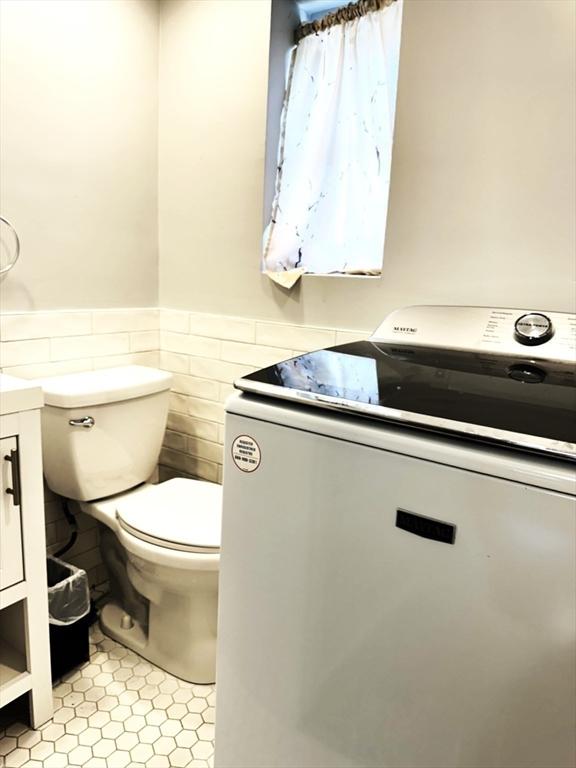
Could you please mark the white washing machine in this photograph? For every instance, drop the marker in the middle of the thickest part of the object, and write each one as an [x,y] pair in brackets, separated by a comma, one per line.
[398,562]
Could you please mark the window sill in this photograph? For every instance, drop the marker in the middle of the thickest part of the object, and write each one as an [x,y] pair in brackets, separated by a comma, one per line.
[340,274]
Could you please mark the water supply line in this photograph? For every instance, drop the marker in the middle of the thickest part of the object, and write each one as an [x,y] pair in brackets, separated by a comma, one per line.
[73,523]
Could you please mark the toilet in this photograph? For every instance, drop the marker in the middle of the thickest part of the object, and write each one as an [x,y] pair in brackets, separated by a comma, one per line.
[101,437]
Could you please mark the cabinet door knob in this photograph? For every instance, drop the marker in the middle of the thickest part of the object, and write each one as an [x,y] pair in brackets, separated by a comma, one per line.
[14,459]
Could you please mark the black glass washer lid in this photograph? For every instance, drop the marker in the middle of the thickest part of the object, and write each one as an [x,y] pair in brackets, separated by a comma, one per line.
[529,404]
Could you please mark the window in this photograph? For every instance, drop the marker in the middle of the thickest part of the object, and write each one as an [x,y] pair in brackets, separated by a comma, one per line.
[333,143]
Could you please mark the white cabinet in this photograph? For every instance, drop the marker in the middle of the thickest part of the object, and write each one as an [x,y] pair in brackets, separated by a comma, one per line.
[24,631]
[11,560]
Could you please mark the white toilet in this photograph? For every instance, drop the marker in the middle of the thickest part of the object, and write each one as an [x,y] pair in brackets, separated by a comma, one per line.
[101,437]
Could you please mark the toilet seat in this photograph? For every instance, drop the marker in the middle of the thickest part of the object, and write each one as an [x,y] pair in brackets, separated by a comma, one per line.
[179,514]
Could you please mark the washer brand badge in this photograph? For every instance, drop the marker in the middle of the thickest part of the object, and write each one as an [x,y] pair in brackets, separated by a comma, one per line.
[404,329]
[246,453]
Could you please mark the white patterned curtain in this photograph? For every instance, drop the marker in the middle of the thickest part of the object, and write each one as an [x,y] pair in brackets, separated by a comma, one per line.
[333,176]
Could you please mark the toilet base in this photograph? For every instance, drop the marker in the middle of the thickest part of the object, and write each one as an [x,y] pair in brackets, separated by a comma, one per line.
[135,638]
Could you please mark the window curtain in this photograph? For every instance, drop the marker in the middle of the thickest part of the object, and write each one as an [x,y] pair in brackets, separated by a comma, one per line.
[333,173]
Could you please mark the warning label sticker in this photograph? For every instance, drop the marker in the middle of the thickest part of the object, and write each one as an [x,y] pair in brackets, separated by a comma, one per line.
[246,453]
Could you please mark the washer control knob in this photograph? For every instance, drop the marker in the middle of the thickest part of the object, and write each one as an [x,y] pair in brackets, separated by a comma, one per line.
[533,328]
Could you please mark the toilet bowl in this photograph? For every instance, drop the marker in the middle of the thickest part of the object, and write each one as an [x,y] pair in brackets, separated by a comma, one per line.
[102,433]
[171,534]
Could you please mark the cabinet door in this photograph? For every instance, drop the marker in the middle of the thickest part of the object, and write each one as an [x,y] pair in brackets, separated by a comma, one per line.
[11,562]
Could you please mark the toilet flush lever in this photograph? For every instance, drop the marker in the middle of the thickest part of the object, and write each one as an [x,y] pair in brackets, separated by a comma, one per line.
[86,421]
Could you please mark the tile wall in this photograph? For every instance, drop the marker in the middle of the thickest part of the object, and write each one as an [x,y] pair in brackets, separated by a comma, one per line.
[37,344]
[205,354]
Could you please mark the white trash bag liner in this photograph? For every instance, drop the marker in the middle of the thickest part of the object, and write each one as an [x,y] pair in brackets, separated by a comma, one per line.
[68,592]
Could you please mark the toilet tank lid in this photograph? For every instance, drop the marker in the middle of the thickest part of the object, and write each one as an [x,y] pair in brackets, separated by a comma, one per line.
[107,385]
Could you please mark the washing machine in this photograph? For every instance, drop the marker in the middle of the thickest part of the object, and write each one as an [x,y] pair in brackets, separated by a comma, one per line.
[398,561]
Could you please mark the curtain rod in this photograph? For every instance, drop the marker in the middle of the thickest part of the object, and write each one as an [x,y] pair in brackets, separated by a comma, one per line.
[340,16]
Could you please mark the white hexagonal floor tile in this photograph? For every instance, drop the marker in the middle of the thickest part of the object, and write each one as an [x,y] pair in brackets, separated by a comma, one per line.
[126,698]
[156,717]
[158,761]
[112,730]
[66,743]
[80,755]
[155,677]
[168,685]
[65,688]
[63,715]
[122,674]
[17,758]
[162,701]
[52,732]
[183,695]
[149,734]
[98,719]
[28,739]
[206,732]
[111,666]
[164,745]
[202,750]
[73,699]
[76,725]
[89,737]
[134,723]
[7,745]
[104,748]
[116,688]
[197,705]
[170,728]
[180,757]
[95,693]
[56,760]
[117,711]
[149,691]
[186,738]
[119,759]
[177,711]
[86,709]
[209,715]
[141,753]
[143,668]
[192,721]
[42,750]
[127,741]
[120,713]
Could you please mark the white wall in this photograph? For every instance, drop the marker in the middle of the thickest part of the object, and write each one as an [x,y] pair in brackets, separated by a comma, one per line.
[483,188]
[78,128]
[213,77]
[482,196]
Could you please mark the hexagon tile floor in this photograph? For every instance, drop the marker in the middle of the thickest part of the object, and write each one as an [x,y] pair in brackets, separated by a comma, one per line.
[117,710]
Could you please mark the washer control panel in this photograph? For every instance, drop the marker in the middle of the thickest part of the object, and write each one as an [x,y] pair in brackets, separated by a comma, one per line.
[529,334]
[533,328]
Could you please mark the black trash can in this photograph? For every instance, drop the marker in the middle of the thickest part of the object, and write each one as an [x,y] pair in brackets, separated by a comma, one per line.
[70,616]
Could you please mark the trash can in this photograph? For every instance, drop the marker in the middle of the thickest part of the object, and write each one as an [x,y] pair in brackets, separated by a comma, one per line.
[70,616]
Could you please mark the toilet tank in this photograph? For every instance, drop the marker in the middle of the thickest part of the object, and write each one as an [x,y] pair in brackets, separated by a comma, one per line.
[102,430]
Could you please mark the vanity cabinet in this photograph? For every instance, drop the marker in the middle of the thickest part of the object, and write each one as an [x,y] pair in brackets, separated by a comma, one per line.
[24,631]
